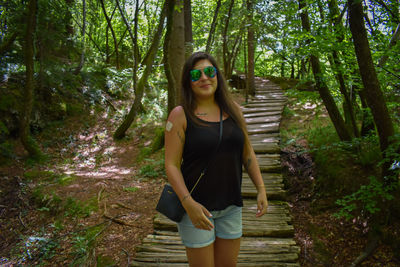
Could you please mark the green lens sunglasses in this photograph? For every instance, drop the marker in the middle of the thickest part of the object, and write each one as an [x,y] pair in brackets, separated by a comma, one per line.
[209,71]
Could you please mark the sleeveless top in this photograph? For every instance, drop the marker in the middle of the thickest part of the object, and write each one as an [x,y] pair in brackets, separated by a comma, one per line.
[220,186]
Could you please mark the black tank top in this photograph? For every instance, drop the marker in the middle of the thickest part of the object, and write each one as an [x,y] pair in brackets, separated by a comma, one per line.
[220,187]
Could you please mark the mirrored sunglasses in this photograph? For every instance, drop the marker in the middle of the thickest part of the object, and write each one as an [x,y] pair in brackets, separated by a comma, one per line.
[209,71]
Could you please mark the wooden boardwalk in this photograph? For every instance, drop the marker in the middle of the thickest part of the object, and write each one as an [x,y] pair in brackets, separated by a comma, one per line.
[267,241]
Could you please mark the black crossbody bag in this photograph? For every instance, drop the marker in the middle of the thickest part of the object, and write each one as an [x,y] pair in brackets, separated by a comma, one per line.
[169,203]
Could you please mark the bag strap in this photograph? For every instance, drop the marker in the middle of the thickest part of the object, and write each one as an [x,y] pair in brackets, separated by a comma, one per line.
[216,149]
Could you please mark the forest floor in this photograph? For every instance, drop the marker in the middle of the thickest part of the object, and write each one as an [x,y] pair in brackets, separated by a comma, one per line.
[43,222]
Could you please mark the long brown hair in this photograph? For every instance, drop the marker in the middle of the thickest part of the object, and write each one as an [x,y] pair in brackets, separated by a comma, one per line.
[222,95]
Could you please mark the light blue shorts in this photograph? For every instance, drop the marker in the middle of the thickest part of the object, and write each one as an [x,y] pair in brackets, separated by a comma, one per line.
[227,225]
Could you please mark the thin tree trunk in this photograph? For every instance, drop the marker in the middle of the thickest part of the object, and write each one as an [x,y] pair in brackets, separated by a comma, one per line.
[339,30]
[188,28]
[26,139]
[176,47]
[82,60]
[212,28]
[148,66]
[167,69]
[250,49]
[374,95]
[393,42]
[225,50]
[112,32]
[323,89]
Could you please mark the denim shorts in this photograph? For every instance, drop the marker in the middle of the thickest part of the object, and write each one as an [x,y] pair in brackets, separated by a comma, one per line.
[227,225]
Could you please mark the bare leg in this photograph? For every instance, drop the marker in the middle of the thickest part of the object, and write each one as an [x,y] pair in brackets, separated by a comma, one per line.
[201,257]
[226,252]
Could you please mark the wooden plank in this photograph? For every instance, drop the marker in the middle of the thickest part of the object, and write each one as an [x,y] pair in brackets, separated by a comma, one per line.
[262,114]
[263,128]
[261,109]
[264,119]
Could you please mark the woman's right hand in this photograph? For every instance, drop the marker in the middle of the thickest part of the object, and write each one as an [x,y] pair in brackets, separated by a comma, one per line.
[198,214]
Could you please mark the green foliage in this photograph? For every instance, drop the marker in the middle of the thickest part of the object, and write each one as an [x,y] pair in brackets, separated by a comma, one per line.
[84,246]
[48,176]
[366,201]
[131,189]
[153,170]
[55,205]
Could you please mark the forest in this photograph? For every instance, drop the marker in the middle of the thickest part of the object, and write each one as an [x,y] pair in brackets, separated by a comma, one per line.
[86,87]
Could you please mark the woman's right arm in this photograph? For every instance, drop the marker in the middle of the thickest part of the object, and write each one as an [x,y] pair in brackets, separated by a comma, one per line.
[174,142]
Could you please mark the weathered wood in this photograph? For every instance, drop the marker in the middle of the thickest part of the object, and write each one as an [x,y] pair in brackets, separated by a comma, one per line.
[261,109]
[264,119]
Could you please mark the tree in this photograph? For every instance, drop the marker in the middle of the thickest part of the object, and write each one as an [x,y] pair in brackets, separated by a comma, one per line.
[212,27]
[112,32]
[174,51]
[374,95]
[188,28]
[148,66]
[82,61]
[26,139]
[323,89]
[251,88]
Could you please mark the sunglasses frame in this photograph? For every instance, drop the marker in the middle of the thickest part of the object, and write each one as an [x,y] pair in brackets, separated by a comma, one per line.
[201,72]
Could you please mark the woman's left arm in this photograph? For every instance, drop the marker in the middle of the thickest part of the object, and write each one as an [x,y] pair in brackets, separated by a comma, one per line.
[251,165]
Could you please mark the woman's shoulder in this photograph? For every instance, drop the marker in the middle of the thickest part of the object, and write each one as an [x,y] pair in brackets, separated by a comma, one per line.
[177,116]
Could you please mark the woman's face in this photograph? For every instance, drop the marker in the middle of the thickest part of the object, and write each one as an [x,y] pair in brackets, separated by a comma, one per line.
[205,87]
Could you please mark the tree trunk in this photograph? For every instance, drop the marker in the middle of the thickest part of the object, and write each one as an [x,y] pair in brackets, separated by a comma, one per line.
[323,89]
[393,42]
[112,32]
[225,50]
[176,47]
[26,139]
[133,37]
[212,28]
[188,28]
[250,49]
[373,93]
[168,72]
[82,60]
[334,16]
[148,66]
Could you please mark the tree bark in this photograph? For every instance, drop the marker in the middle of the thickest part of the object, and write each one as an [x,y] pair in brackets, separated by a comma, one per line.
[112,32]
[133,37]
[212,28]
[250,49]
[188,28]
[148,66]
[82,60]
[26,139]
[374,95]
[175,45]
[323,89]
[167,68]
[225,50]
[334,17]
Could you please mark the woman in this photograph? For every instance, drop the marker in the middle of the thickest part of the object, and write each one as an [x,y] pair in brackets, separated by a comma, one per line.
[212,225]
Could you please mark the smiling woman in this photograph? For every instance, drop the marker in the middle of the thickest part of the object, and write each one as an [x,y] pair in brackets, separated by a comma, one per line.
[211,228]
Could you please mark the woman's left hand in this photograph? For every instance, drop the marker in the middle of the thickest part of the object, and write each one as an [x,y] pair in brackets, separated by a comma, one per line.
[262,203]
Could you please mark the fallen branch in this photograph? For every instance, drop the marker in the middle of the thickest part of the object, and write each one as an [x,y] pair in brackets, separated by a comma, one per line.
[127,255]
[20,219]
[371,246]
[124,206]
[116,220]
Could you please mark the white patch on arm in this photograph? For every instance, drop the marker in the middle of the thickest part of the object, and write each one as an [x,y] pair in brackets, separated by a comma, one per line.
[168,126]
